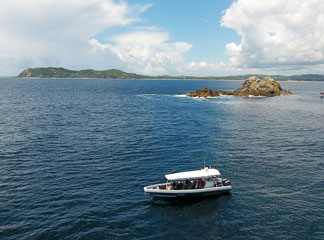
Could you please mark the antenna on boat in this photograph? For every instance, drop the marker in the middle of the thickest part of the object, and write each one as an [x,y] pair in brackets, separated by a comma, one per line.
[204,162]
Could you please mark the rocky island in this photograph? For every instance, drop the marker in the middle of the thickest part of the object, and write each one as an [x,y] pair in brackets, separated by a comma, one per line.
[253,86]
[207,92]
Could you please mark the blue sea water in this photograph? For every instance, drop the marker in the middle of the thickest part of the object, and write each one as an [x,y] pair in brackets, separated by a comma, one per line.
[75,155]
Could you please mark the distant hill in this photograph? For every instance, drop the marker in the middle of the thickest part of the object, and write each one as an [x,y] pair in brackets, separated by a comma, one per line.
[54,72]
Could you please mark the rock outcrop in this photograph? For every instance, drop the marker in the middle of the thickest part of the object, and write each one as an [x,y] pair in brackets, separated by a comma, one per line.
[252,86]
[207,92]
[25,73]
[260,87]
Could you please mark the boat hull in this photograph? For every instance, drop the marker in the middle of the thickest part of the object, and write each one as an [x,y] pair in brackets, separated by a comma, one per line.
[155,192]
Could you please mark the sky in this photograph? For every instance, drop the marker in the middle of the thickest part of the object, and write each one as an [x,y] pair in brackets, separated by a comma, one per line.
[164,37]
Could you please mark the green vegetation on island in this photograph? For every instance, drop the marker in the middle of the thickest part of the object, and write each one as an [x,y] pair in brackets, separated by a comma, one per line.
[58,72]
[53,72]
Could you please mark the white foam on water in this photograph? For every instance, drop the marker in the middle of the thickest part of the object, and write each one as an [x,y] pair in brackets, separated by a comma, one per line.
[212,97]
[226,96]
[256,96]
[181,95]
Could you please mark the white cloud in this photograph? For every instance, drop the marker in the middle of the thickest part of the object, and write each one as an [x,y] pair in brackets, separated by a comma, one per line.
[278,35]
[41,33]
[204,68]
[146,52]
[50,32]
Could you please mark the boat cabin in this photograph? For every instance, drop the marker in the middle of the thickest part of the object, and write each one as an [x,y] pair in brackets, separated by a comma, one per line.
[199,179]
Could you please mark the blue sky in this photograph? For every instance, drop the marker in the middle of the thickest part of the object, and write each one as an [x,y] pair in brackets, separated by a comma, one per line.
[192,21]
[157,37]
[196,22]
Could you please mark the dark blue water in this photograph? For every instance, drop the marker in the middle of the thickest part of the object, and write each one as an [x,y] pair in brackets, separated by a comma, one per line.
[75,155]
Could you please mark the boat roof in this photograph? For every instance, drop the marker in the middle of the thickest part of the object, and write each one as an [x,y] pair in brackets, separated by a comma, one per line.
[206,172]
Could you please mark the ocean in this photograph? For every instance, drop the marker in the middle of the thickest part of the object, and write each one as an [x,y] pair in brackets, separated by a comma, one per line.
[75,155]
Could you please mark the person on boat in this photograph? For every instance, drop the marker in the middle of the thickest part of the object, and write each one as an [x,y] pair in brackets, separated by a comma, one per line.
[198,183]
[195,184]
[189,186]
[202,183]
[215,181]
[184,185]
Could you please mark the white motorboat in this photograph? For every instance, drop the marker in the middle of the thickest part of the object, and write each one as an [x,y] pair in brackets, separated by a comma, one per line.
[206,181]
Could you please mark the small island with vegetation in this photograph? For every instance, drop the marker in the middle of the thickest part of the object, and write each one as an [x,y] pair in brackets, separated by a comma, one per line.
[253,86]
[54,72]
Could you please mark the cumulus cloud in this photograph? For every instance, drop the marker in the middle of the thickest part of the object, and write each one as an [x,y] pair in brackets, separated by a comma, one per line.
[51,32]
[146,52]
[206,68]
[278,35]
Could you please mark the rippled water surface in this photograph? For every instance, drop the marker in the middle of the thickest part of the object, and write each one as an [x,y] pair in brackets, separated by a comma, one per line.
[75,155]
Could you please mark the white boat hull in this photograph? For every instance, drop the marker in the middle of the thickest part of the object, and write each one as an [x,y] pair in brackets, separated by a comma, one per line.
[156,192]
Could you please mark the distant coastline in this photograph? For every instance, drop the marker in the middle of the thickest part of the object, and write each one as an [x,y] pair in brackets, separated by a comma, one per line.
[58,72]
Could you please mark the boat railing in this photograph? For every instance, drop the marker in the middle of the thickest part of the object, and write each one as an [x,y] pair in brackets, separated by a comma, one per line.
[191,184]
